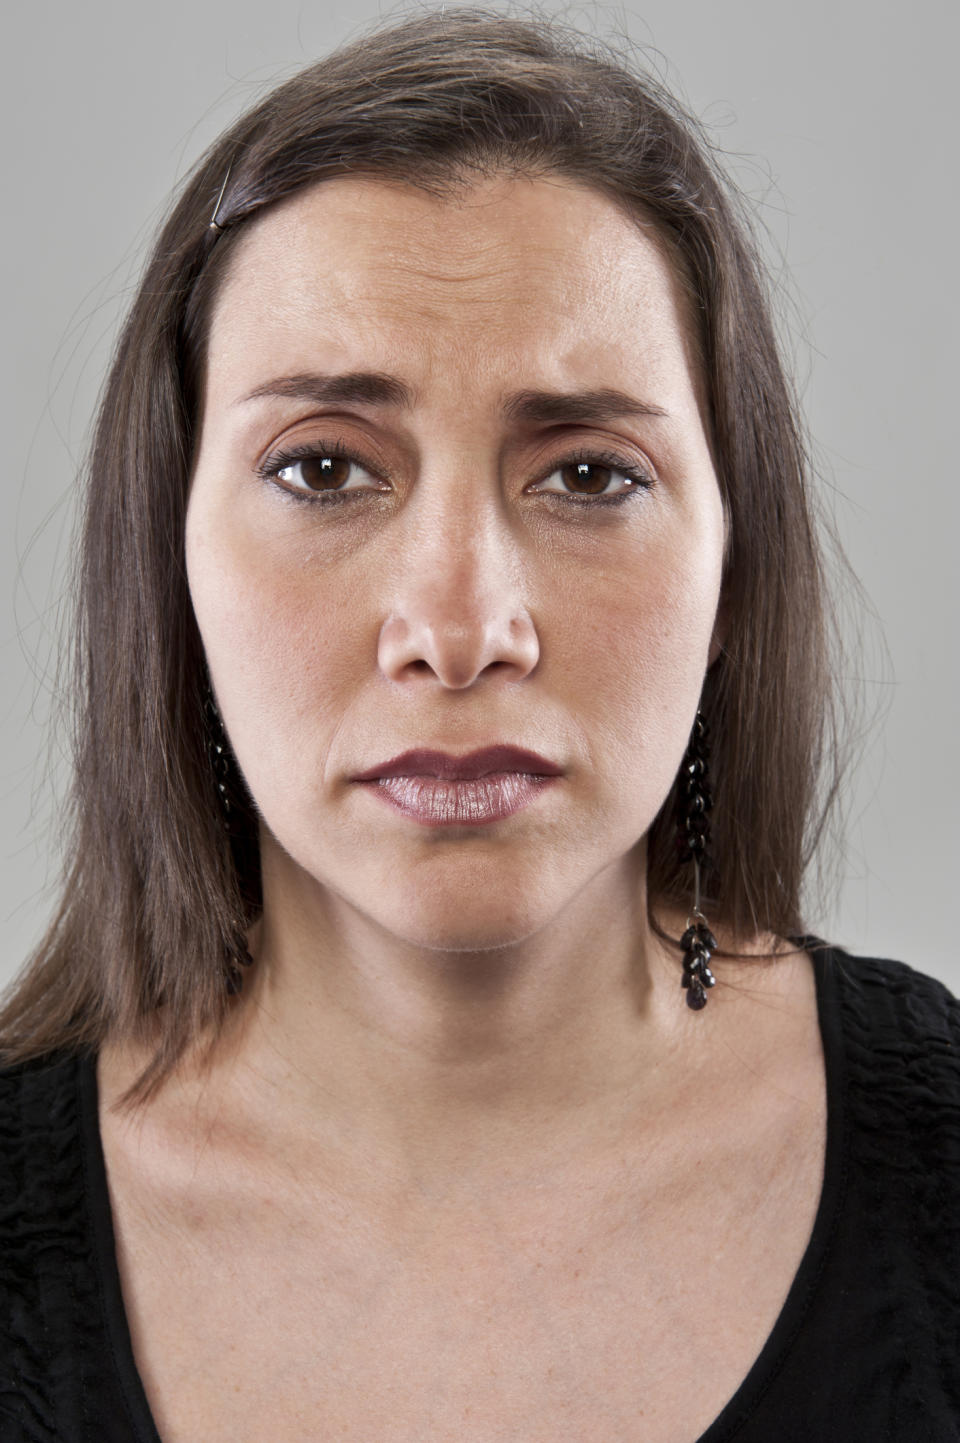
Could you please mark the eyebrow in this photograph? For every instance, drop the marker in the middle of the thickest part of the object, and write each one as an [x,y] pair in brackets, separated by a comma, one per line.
[366,388]
[602,405]
[375,388]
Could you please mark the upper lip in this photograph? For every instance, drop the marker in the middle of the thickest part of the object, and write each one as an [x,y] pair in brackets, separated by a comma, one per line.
[422,762]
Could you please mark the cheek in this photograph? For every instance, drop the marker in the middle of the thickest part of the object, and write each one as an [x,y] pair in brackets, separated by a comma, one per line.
[638,642]
[283,647]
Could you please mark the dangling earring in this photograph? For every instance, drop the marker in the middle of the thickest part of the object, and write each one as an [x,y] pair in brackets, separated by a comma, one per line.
[694,804]
[237,954]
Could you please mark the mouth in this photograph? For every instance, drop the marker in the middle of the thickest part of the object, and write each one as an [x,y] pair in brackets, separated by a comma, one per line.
[496,760]
[460,802]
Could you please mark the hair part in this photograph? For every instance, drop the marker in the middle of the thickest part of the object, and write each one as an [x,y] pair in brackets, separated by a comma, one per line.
[155,890]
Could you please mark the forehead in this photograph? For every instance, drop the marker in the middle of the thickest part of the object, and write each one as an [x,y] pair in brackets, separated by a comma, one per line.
[543,276]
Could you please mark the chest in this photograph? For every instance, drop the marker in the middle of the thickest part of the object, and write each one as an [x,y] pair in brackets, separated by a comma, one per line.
[632,1309]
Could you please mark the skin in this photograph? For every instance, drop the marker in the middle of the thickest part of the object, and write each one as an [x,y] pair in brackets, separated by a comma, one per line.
[455,610]
[467,1033]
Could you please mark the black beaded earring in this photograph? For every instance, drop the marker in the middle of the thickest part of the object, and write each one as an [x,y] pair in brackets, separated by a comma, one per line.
[694,804]
[229,798]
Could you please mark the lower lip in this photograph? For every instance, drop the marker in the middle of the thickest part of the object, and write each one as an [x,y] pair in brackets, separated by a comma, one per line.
[475,803]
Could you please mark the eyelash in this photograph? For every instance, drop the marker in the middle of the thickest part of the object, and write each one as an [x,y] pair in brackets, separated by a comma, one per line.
[272,465]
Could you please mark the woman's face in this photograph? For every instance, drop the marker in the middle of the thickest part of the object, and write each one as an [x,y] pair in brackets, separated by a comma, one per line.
[453,490]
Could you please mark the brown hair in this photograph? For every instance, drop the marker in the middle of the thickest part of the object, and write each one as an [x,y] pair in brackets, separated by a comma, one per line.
[154,890]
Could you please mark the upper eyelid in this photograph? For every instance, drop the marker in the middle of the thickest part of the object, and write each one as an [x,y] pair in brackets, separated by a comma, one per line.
[279,458]
[543,435]
[333,442]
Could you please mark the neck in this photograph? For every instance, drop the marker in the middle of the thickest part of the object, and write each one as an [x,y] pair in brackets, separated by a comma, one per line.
[443,1066]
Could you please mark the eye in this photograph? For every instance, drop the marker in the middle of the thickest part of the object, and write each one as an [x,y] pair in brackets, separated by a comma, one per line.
[319,472]
[325,473]
[592,478]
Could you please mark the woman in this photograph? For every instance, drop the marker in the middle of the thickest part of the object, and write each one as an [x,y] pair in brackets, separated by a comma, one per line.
[455,690]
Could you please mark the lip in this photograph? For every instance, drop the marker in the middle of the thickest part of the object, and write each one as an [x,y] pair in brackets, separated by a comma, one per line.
[464,802]
[422,762]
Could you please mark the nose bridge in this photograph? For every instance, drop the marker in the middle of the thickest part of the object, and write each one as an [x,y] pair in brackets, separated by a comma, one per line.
[459,603]
[463,535]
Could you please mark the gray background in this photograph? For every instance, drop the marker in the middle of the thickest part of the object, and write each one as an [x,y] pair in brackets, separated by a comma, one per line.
[838,122]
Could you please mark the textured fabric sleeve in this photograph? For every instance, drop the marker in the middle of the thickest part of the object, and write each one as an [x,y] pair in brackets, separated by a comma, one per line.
[903,1045]
[57,1377]
[876,1355]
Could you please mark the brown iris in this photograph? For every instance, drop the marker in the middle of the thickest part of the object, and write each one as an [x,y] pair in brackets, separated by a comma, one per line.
[586,476]
[324,473]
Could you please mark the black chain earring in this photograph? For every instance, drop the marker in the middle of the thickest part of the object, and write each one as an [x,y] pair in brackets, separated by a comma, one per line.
[229,796]
[694,804]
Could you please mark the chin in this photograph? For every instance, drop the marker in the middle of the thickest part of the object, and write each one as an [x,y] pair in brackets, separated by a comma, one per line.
[463,924]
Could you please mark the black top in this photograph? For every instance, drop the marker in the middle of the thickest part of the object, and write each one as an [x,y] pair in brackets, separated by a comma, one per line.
[865,1350]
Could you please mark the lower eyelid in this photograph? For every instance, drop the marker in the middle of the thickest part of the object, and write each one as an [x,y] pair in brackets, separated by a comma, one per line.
[570,498]
[567,501]
[270,471]
[638,483]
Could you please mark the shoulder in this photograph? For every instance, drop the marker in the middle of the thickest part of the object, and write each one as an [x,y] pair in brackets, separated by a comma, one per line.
[40,1082]
[60,1326]
[900,1084]
[892,1007]
[42,1169]
[38,1099]
[901,1030]
[897,1039]
[45,1277]
[41,1153]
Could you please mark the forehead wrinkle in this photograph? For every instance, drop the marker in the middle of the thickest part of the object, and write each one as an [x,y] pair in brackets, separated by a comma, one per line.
[398,300]
[586,303]
[478,269]
[460,278]
[506,280]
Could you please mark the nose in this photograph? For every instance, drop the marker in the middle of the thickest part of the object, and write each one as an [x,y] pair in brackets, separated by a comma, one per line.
[458,607]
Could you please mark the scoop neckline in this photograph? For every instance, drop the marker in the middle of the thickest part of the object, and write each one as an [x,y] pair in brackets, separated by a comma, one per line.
[763,1372]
